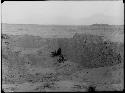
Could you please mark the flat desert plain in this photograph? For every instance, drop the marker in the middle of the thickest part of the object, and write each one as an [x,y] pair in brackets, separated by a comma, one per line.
[94,57]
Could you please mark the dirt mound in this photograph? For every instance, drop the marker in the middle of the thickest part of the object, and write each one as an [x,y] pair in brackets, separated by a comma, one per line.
[86,49]
[91,50]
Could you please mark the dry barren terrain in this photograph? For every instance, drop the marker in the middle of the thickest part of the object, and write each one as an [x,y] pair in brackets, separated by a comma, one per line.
[94,57]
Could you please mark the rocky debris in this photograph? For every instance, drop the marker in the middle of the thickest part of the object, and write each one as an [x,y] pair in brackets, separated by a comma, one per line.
[91,89]
[4,36]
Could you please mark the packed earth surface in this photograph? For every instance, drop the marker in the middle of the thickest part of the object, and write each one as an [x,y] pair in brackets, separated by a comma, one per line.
[94,58]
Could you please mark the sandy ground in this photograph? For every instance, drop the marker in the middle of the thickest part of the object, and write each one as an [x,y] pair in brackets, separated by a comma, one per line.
[79,81]
[67,76]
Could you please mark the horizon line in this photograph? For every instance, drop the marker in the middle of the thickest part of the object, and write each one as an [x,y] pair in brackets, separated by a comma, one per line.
[63,24]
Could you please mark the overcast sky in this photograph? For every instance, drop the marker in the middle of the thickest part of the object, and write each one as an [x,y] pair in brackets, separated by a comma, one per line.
[63,12]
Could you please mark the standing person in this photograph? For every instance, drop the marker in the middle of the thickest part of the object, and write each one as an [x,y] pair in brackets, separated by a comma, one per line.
[56,53]
[59,51]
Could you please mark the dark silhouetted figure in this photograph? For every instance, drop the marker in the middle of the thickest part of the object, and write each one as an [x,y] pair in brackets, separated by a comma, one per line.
[59,54]
[59,51]
[56,53]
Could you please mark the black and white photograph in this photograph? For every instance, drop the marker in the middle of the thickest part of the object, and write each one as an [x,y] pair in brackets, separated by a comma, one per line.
[62,46]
